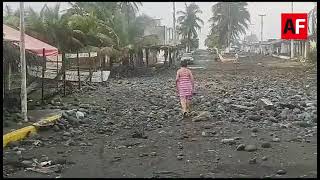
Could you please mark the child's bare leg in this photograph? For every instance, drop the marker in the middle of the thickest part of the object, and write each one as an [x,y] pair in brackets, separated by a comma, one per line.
[183,104]
[188,102]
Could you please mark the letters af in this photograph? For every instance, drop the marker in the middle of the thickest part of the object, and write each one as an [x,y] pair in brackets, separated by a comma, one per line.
[294,26]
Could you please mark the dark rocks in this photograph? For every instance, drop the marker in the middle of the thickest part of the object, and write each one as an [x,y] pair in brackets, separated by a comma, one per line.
[289,105]
[254,129]
[79,115]
[276,139]
[83,144]
[241,108]
[153,154]
[302,124]
[13,144]
[228,141]
[281,172]
[273,119]
[254,117]
[237,138]
[70,142]
[253,161]
[250,148]
[73,120]
[143,154]
[203,116]
[56,128]
[284,113]
[180,156]
[26,163]
[67,134]
[266,103]
[137,134]
[266,145]
[208,126]
[241,147]
[116,158]
[11,158]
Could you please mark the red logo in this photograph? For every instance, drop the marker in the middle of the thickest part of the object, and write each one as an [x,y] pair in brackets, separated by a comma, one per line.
[294,26]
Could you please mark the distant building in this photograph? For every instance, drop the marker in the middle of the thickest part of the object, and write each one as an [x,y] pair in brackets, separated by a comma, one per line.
[164,33]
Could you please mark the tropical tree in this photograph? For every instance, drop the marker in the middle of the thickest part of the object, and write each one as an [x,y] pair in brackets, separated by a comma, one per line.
[189,23]
[51,27]
[229,21]
[98,26]
[10,17]
[129,9]
[313,18]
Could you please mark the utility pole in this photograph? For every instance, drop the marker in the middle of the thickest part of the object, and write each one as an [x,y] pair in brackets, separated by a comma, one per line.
[174,23]
[24,106]
[261,15]
[292,45]
[229,29]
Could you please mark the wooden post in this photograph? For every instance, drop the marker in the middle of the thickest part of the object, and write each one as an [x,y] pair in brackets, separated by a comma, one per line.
[308,48]
[165,56]
[78,64]
[110,62]
[24,106]
[43,72]
[147,56]
[9,76]
[170,57]
[305,49]
[64,73]
[58,71]
[101,67]
[301,48]
[90,73]
[132,60]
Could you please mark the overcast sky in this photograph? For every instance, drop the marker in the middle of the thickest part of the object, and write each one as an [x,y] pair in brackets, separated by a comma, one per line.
[164,10]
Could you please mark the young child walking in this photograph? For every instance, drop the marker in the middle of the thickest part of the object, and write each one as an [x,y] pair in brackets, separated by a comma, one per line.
[185,87]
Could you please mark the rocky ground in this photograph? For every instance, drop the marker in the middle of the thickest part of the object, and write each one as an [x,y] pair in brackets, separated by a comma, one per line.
[254,119]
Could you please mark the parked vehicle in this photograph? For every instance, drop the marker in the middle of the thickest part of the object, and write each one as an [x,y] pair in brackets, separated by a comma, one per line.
[187,57]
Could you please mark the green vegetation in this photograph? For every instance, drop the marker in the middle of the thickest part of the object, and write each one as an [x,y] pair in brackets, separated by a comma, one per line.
[230,19]
[188,25]
[111,27]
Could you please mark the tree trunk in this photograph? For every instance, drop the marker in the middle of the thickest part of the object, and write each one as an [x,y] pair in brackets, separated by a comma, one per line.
[140,56]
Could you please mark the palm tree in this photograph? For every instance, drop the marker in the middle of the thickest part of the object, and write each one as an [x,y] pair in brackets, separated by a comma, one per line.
[11,18]
[129,9]
[189,23]
[230,19]
[102,16]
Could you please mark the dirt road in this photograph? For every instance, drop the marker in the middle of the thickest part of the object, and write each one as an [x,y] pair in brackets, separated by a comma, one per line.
[134,128]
